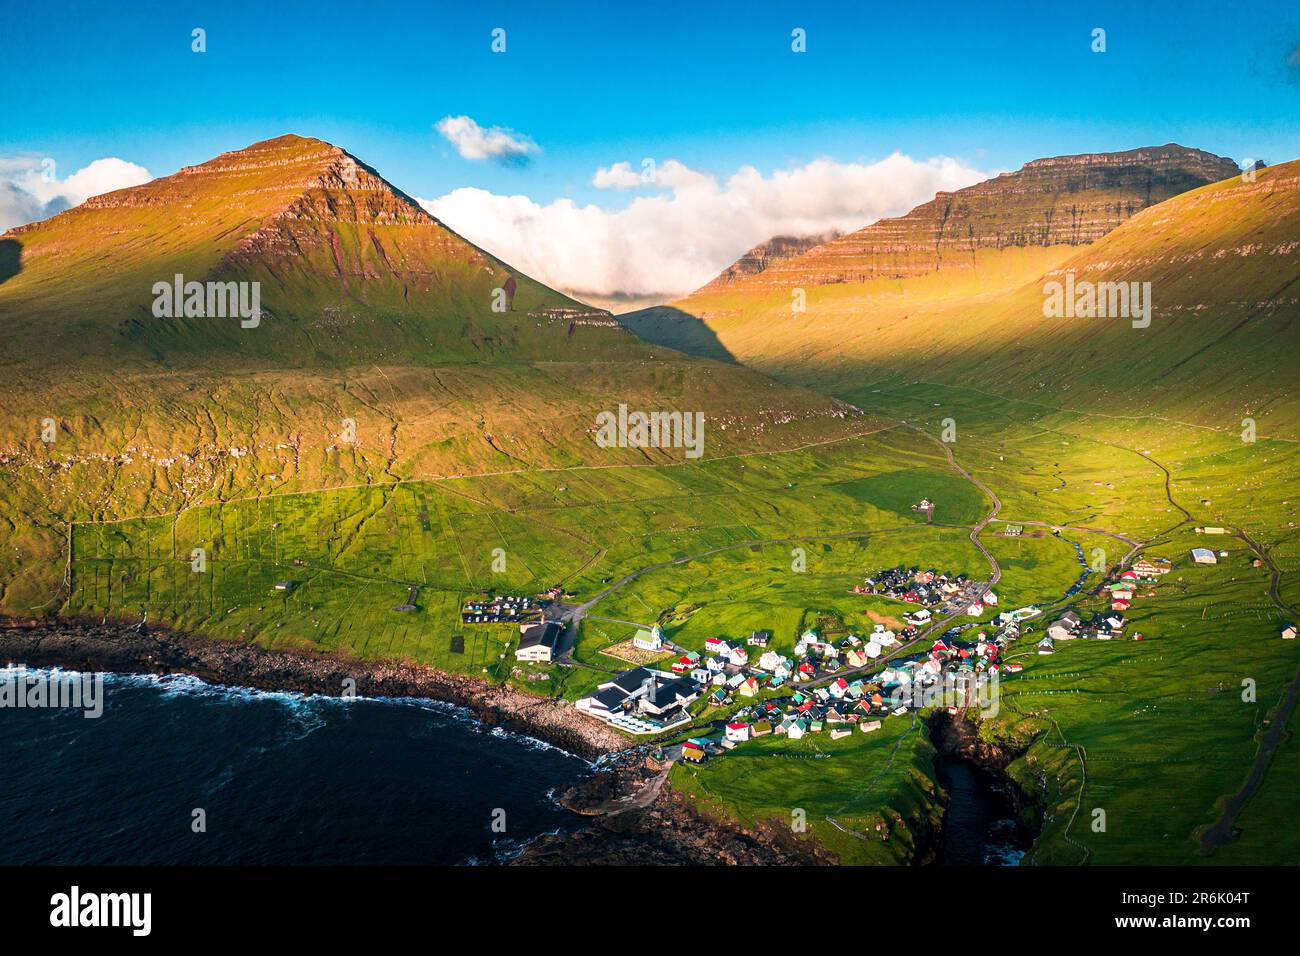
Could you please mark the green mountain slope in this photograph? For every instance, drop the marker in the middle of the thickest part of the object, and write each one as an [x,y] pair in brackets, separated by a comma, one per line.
[1222,261]
[388,348]
[337,250]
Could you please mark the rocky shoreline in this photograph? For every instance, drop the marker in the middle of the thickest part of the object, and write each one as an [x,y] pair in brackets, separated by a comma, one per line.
[630,825]
[79,644]
[635,826]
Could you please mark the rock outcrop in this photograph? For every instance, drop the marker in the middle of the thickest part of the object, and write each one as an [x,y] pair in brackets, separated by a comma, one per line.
[1063,200]
[766,254]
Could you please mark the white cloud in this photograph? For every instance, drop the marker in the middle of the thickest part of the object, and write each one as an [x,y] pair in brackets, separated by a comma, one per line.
[477,142]
[690,225]
[619,176]
[30,188]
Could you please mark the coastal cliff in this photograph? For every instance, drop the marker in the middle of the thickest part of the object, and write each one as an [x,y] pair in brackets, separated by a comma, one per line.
[107,646]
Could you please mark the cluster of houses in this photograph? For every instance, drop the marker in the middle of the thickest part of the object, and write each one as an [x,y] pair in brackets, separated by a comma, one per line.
[504,609]
[840,705]
[929,588]
[734,668]
[1111,623]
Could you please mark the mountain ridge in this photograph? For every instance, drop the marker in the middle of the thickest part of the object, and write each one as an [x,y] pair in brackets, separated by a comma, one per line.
[1042,204]
[760,257]
[1221,259]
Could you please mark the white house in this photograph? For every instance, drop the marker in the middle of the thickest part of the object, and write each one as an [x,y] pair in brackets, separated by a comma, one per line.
[738,731]
[739,656]
[769,661]
[1204,556]
[873,649]
[990,599]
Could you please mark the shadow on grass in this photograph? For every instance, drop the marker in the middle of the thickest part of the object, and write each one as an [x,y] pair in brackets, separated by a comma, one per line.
[11,252]
[677,329]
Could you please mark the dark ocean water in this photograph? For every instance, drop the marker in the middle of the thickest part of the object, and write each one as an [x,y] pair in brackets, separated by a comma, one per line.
[283,779]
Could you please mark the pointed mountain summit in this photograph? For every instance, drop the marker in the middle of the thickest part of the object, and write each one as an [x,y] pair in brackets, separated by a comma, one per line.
[332,245]
[387,349]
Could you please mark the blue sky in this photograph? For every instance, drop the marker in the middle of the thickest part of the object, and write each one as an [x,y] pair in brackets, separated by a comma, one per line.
[712,85]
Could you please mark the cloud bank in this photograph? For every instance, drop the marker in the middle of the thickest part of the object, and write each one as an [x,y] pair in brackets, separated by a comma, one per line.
[685,226]
[476,142]
[30,188]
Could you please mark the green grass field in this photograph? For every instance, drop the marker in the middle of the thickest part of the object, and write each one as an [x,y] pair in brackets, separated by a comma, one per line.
[1153,733]
[877,787]
[351,554]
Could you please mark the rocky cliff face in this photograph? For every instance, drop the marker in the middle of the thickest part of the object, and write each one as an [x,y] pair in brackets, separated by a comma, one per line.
[1064,200]
[766,254]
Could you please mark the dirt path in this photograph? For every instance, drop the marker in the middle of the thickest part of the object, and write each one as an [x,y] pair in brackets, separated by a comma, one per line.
[1222,831]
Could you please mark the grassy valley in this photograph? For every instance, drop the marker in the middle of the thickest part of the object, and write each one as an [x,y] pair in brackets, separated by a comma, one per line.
[386,428]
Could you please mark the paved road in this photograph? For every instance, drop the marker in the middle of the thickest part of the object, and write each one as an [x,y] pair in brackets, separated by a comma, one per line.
[942,624]
[997,502]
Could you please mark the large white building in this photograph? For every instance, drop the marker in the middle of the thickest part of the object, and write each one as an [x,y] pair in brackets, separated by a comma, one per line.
[537,641]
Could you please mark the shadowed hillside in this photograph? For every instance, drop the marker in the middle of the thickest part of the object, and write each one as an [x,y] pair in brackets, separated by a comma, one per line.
[1222,261]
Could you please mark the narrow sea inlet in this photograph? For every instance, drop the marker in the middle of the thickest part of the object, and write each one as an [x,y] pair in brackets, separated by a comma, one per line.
[278,778]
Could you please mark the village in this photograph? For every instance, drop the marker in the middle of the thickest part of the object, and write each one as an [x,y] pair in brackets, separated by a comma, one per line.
[816,689]
[824,684]
[932,590]
[734,690]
